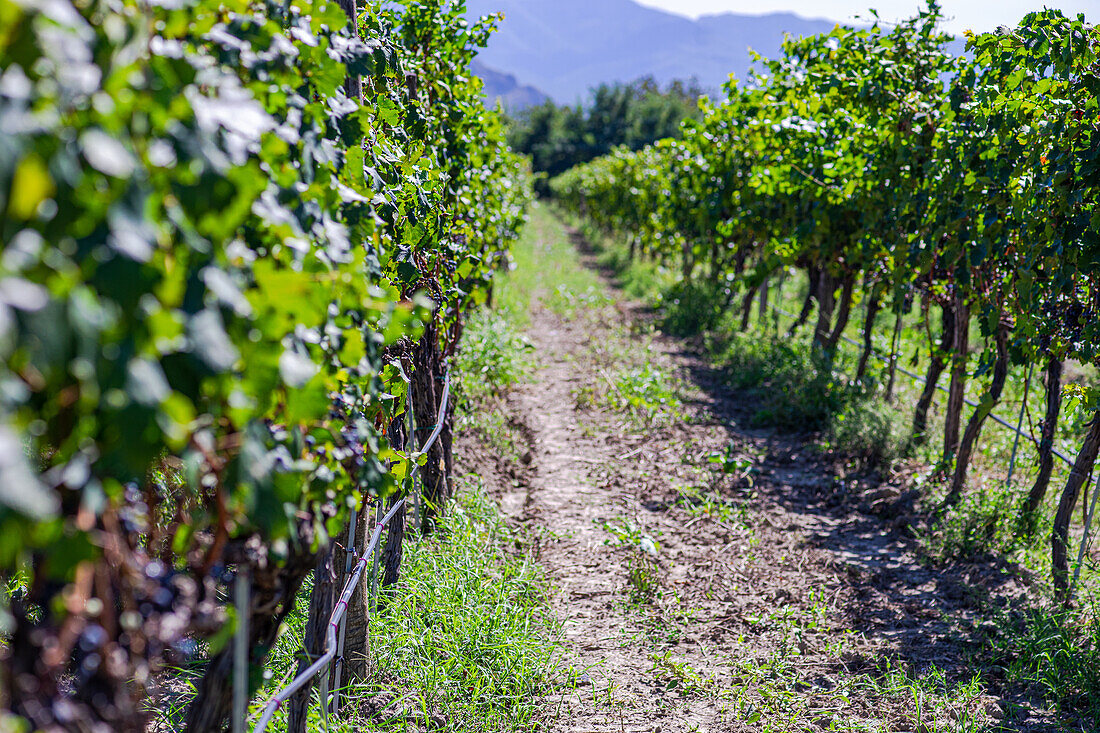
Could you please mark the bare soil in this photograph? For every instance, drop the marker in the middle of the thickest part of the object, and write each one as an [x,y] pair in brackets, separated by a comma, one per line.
[794,598]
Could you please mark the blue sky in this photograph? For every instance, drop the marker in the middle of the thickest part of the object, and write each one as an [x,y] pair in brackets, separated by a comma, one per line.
[978,15]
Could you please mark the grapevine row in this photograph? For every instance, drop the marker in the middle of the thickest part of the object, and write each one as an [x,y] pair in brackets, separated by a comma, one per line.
[229,230]
[894,172]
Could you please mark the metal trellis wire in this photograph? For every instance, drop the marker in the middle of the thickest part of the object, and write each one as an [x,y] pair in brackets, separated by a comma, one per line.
[335,632]
[941,388]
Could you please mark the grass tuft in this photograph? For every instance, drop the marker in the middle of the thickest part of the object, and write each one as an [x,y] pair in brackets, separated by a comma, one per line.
[691,307]
[868,429]
[796,388]
[494,356]
[463,642]
[1056,654]
[467,627]
[647,393]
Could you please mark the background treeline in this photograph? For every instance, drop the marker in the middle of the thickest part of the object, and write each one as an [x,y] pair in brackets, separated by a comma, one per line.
[902,182]
[558,137]
[234,238]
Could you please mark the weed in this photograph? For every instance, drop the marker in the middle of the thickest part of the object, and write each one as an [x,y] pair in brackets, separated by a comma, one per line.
[981,522]
[692,307]
[796,386]
[14,587]
[642,571]
[699,502]
[625,533]
[646,392]
[500,432]
[642,575]
[679,676]
[869,430]
[1056,654]
[730,463]
[468,628]
[794,624]
[936,704]
[493,357]
[585,397]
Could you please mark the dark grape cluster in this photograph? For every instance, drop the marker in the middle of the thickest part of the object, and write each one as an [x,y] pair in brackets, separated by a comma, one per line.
[1066,323]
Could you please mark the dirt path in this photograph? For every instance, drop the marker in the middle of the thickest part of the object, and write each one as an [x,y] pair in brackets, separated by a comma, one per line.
[714,577]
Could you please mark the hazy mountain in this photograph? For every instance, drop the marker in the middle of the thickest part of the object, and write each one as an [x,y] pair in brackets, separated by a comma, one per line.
[504,87]
[564,47]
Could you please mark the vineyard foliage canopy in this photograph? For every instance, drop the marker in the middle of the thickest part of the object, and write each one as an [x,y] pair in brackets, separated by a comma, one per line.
[229,230]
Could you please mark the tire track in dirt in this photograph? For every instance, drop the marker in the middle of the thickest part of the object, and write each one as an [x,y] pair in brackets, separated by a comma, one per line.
[780,612]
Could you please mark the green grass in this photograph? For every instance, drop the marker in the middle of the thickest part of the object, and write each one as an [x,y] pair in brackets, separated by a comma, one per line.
[544,271]
[648,280]
[794,388]
[869,430]
[495,354]
[985,521]
[691,308]
[468,629]
[494,357]
[797,388]
[1056,654]
[645,392]
[464,640]
[938,705]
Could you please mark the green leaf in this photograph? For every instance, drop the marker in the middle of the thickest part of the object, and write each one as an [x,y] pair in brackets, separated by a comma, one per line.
[30,186]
